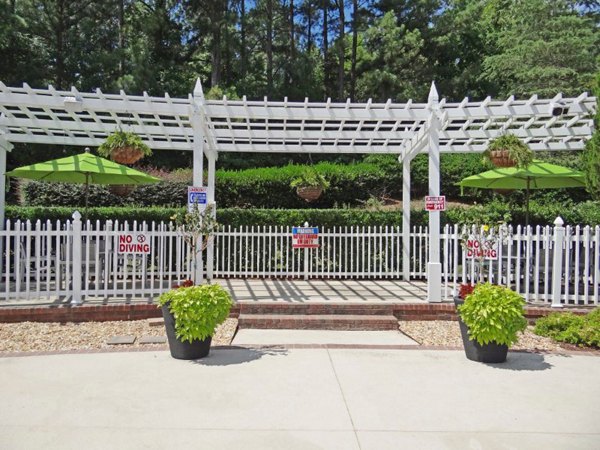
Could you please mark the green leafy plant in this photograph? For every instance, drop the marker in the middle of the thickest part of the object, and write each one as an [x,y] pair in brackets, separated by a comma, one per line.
[310,178]
[122,139]
[493,314]
[582,330]
[517,151]
[198,310]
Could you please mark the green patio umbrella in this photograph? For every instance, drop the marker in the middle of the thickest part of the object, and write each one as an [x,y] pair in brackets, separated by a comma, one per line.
[538,175]
[83,169]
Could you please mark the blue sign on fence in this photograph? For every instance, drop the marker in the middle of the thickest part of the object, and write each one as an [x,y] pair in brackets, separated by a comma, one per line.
[197,197]
[305,237]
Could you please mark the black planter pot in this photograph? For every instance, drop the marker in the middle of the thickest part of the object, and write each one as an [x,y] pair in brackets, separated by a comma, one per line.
[183,350]
[488,353]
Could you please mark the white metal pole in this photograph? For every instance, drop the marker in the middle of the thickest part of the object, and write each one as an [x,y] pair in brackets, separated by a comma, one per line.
[557,262]
[434,266]
[4,147]
[406,217]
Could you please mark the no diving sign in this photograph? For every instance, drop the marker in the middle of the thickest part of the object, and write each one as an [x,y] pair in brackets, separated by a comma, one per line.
[133,244]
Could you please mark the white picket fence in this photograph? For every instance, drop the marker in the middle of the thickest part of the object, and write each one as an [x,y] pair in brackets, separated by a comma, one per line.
[51,260]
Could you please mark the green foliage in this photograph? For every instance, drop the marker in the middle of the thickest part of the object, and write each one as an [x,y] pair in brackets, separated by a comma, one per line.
[120,139]
[198,310]
[517,150]
[571,328]
[581,214]
[539,47]
[493,314]
[591,155]
[310,178]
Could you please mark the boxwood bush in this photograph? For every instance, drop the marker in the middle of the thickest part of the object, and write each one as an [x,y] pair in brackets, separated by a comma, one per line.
[573,329]
[582,214]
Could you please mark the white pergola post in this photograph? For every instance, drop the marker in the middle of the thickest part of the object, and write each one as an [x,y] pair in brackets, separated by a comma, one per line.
[5,146]
[434,266]
[406,217]
[198,168]
[210,250]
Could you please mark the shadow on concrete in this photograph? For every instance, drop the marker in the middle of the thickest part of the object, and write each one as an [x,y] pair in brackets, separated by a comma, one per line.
[228,356]
[523,361]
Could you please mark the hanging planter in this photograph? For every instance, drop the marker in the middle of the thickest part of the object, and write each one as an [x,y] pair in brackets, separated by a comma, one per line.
[508,151]
[309,185]
[124,148]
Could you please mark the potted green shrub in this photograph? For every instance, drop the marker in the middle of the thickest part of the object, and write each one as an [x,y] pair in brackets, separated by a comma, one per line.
[490,319]
[192,313]
[124,147]
[508,151]
[309,185]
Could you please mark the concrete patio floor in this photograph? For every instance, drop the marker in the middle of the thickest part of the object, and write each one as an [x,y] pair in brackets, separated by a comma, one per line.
[279,290]
[257,398]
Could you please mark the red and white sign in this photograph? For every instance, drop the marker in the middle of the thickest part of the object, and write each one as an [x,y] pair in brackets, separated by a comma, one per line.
[305,237]
[433,203]
[133,244]
[486,249]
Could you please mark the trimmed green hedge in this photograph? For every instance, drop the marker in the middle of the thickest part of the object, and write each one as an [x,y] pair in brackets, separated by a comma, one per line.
[583,214]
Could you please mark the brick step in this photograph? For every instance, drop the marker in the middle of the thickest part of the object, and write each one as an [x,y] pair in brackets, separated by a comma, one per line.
[316,309]
[318,321]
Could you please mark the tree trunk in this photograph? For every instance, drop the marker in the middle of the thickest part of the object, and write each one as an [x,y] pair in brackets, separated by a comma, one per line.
[243,38]
[309,25]
[121,38]
[269,46]
[325,28]
[59,35]
[341,50]
[292,55]
[215,52]
[354,48]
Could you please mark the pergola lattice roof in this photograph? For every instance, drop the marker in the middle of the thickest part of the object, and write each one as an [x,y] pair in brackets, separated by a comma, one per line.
[48,116]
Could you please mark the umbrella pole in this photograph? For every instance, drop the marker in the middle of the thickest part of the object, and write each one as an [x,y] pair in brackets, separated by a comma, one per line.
[87,194]
[527,205]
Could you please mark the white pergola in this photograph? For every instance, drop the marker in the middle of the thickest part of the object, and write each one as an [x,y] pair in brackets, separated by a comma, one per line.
[207,127]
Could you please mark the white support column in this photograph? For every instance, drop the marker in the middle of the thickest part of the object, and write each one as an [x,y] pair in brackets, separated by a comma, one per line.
[557,262]
[198,169]
[434,266]
[5,146]
[406,217]
[210,250]
[77,270]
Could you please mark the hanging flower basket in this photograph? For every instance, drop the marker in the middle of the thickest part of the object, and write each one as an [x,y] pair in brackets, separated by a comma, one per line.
[127,155]
[309,193]
[501,158]
[309,185]
[121,190]
[124,148]
[508,151]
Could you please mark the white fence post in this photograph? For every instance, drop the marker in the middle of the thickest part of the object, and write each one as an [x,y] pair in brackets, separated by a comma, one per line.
[76,273]
[557,263]
[306,258]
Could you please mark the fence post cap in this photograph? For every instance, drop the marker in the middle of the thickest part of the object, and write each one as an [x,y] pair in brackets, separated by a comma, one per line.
[559,222]
[77,215]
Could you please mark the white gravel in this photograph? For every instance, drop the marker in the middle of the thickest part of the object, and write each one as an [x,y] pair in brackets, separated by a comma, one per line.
[50,337]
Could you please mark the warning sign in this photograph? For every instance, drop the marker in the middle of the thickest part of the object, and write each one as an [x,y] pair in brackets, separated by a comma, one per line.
[482,250]
[305,237]
[435,203]
[197,198]
[133,244]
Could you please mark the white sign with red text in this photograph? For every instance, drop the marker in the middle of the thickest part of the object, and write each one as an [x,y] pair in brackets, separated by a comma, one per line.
[482,250]
[305,237]
[435,203]
[133,244]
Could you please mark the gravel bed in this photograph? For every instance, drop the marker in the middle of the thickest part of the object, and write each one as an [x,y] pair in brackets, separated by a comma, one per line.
[51,337]
[447,334]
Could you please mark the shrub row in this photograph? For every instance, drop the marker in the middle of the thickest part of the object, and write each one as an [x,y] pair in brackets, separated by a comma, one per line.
[494,212]
[571,328]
